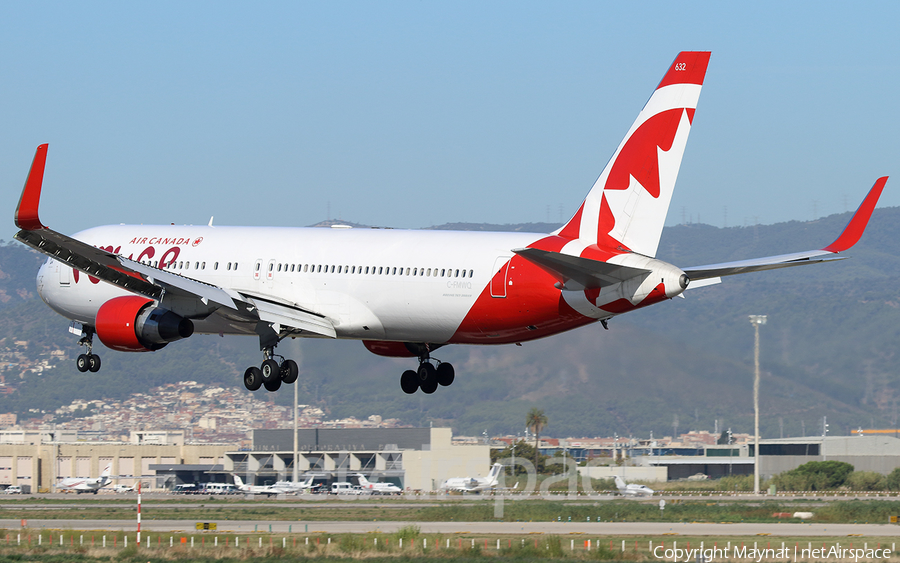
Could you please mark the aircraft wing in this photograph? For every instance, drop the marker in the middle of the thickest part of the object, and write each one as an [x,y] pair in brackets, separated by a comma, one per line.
[850,236]
[199,298]
[584,271]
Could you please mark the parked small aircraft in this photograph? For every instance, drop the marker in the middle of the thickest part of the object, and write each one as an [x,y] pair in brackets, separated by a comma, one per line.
[632,490]
[474,484]
[86,485]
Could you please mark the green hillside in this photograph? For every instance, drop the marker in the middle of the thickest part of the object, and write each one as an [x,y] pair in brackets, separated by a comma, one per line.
[830,348]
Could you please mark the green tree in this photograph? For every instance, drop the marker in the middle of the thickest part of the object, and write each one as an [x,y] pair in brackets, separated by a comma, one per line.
[536,420]
[892,480]
[866,481]
[814,476]
[523,450]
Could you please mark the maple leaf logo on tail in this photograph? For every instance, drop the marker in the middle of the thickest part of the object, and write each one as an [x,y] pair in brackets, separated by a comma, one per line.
[626,208]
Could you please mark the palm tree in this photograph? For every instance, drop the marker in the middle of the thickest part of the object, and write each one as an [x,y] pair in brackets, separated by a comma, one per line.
[536,420]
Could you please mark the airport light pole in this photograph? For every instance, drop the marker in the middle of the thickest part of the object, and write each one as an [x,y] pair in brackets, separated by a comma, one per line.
[756,321]
[296,475]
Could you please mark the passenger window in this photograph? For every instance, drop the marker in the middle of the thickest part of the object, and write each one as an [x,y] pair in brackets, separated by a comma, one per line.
[270,266]
[306,267]
[443,272]
[339,269]
[429,272]
[229,266]
[215,266]
[202,265]
[407,271]
[332,269]
[470,273]
[235,265]
[380,269]
[464,273]
[279,267]
[319,269]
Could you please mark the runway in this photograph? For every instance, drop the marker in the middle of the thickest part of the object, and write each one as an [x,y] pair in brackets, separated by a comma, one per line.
[617,529]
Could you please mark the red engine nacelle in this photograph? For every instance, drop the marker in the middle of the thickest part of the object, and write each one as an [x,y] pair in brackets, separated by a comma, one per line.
[132,324]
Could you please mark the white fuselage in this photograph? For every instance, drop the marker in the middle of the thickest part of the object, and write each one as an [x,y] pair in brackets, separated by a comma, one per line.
[372,284]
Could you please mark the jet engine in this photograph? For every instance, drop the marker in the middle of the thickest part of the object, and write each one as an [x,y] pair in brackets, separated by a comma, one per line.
[133,324]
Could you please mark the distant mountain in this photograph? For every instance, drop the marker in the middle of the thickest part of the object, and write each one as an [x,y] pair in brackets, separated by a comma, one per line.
[830,348]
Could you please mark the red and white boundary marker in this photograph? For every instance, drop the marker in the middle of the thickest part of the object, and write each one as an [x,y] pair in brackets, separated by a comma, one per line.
[139,515]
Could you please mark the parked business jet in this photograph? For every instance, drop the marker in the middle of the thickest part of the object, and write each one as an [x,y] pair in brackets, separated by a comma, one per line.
[86,485]
[403,293]
[267,490]
[377,488]
[474,484]
[632,490]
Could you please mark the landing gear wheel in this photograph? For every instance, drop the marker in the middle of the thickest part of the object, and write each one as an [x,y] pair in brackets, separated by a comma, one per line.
[94,363]
[427,378]
[445,374]
[409,382]
[289,372]
[273,385]
[253,378]
[270,371]
[82,363]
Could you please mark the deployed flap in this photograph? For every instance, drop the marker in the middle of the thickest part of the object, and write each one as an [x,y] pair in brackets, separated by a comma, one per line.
[294,317]
[849,236]
[584,271]
[170,281]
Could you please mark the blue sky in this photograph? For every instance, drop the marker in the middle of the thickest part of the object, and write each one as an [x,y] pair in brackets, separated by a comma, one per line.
[411,114]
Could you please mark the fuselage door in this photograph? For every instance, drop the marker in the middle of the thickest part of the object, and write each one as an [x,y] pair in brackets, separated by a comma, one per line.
[501,278]
[65,274]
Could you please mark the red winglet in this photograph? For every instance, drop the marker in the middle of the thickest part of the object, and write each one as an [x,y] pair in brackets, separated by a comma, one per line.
[854,229]
[27,210]
[689,67]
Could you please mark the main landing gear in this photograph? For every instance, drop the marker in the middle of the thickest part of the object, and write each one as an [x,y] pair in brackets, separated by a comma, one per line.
[427,377]
[271,373]
[89,361]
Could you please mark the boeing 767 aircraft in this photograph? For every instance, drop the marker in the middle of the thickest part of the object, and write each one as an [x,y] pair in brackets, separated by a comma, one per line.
[403,293]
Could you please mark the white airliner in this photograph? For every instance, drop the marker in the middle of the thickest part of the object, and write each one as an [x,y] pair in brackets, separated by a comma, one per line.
[86,485]
[403,293]
[377,488]
[267,490]
[474,484]
[632,490]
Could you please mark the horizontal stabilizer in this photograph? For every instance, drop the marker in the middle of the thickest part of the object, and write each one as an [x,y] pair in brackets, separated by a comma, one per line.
[849,236]
[758,265]
[585,272]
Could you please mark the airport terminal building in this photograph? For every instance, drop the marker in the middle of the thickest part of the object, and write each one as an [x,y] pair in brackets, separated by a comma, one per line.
[411,458]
